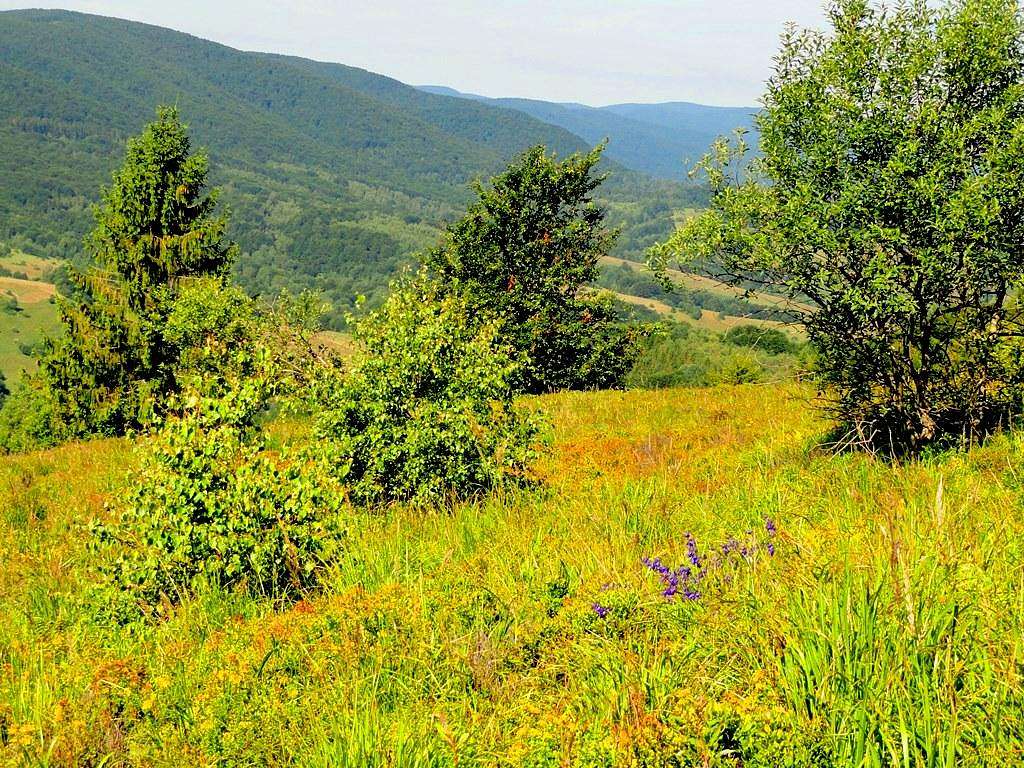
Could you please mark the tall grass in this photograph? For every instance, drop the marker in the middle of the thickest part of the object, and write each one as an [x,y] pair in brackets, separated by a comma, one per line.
[886,630]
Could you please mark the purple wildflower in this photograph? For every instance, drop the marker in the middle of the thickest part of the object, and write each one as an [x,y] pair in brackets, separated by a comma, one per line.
[769,525]
[600,610]
[771,548]
[691,550]
[730,546]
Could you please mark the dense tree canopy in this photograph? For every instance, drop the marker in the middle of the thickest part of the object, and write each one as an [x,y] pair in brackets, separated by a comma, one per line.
[157,225]
[889,204]
[524,253]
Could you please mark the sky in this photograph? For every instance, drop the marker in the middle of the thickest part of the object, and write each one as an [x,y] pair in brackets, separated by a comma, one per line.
[590,51]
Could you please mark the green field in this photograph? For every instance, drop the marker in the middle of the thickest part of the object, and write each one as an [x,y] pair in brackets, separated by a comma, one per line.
[886,629]
[25,327]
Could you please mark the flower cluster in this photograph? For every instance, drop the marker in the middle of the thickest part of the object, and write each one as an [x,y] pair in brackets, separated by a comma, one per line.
[682,580]
[686,579]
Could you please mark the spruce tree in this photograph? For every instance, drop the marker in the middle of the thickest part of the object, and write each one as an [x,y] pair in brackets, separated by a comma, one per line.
[156,225]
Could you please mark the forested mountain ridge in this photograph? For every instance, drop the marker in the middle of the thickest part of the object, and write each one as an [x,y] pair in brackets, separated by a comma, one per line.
[333,175]
[663,140]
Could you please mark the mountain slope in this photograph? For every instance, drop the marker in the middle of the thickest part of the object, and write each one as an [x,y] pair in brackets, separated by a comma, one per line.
[663,140]
[334,176]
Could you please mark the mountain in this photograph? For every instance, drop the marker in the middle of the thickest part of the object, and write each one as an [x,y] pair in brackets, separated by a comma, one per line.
[333,175]
[663,140]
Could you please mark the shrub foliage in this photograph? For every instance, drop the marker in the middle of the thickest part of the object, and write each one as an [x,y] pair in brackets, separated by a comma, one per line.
[427,412]
[210,501]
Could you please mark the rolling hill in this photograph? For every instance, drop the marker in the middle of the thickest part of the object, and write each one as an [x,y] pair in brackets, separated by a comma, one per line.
[663,140]
[333,175]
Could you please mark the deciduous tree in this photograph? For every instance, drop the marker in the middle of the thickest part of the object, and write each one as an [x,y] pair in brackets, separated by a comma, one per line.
[888,203]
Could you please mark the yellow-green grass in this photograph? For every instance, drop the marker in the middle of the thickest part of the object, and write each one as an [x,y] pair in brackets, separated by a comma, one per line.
[338,342]
[469,636]
[33,267]
[19,330]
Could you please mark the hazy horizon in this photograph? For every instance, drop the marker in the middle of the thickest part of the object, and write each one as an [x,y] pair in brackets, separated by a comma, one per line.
[595,53]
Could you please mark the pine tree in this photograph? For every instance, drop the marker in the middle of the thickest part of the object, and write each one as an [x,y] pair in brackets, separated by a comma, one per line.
[156,225]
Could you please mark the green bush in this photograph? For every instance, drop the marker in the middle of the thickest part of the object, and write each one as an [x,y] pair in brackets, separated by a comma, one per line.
[427,413]
[26,418]
[210,502]
[741,367]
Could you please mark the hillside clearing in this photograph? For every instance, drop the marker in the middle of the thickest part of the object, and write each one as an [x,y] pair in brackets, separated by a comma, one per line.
[471,637]
[22,330]
[26,291]
[33,267]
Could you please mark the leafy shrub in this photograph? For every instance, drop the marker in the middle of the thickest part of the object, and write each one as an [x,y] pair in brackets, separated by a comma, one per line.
[26,420]
[210,502]
[31,349]
[740,368]
[427,413]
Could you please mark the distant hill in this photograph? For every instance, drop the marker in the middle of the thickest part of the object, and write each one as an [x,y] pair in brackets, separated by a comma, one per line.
[334,175]
[663,140]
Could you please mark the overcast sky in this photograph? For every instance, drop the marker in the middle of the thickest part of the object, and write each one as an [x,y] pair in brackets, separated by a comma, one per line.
[591,51]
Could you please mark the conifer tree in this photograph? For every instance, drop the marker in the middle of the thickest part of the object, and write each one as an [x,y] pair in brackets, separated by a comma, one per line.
[156,225]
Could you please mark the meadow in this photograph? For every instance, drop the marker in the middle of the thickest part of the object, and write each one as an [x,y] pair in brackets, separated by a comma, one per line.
[839,609]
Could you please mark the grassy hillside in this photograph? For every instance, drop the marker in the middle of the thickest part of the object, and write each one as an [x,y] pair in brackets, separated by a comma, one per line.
[27,310]
[525,630]
[334,175]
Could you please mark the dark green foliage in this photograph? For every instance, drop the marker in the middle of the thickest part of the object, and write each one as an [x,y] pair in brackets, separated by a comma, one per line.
[523,255]
[210,502]
[155,228]
[426,414]
[334,176]
[890,199]
[4,391]
[770,340]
